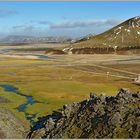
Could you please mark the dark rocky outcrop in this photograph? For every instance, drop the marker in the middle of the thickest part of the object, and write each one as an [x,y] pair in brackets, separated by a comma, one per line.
[98,117]
[106,50]
[54,51]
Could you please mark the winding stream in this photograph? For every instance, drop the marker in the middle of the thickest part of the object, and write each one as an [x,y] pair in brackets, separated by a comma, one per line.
[37,55]
[22,108]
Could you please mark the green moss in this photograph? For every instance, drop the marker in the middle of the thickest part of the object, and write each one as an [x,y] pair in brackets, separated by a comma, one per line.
[121,134]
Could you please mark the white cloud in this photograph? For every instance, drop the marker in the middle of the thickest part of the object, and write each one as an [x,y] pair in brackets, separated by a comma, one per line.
[85,23]
[7,12]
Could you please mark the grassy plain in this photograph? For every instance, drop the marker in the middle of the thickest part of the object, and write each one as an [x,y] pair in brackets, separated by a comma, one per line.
[61,80]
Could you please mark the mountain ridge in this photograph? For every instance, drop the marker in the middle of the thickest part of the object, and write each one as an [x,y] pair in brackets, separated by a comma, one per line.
[22,39]
[125,35]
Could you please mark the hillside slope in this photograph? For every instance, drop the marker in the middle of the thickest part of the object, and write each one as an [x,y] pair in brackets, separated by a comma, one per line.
[10,126]
[98,117]
[124,35]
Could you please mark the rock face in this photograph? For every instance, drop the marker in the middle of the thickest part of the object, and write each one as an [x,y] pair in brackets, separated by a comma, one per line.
[99,117]
[10,126]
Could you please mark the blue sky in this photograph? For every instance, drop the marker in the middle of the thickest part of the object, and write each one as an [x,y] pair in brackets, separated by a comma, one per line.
[63,18]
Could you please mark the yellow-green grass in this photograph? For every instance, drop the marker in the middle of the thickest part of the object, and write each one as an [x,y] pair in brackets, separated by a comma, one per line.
[14,101]
[53,86]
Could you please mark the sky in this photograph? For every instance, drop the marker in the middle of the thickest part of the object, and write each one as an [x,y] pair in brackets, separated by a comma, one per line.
[71,19]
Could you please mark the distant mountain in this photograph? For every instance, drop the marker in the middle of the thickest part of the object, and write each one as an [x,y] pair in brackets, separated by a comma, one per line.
[16,39]
[126,34]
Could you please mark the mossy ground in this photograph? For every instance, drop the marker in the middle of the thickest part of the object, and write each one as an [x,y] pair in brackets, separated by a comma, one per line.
[52,86]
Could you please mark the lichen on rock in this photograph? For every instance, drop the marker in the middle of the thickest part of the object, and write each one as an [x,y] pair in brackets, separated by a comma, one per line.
[99,117]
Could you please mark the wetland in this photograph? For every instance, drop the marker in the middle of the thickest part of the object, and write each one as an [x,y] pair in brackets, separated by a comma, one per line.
[35,86]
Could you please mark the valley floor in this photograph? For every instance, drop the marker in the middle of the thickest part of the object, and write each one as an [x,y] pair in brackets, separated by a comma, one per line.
[62,79]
